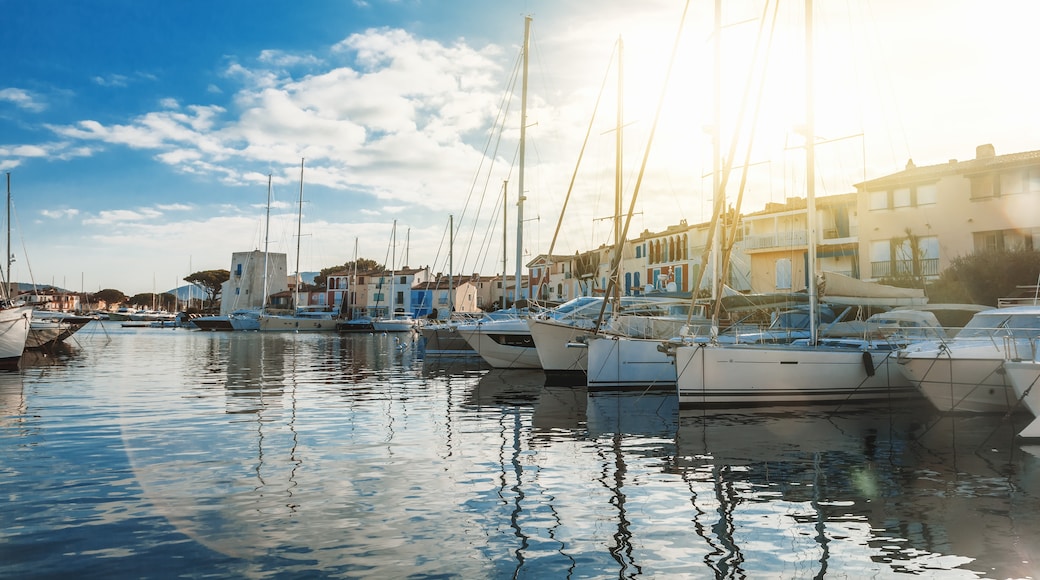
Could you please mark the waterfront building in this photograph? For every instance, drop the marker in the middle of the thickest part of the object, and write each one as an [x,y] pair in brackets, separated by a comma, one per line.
[917,221]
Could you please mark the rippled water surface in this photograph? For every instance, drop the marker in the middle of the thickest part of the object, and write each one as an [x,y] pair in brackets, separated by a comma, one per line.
[155,453]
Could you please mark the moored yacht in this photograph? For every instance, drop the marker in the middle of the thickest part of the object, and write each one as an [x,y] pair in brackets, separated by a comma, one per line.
[1025,381]
[966,373]
[561,335]
[502,343]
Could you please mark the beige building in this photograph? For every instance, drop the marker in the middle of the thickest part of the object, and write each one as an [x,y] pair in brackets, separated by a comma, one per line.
[776,241]
[917,221]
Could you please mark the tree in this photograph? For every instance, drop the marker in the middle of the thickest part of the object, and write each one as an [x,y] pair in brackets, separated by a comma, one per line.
[363,265]
[109,296]
[164,301]
[985,276]
[210,281]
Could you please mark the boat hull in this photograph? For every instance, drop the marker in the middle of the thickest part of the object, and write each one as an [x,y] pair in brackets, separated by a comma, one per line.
[445,340]
[393,325]
[624,363]
[560,348]
[1025,382]
[503,346]
[213,323]
[750,375]
[296,324]
[14,330]
[971,381]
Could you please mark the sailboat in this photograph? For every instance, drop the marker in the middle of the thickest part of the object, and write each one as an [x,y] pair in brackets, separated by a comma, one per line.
[302,319]
[15,317]
[507,343]
[395,321]
[562,335]
[244,318]
[738,374]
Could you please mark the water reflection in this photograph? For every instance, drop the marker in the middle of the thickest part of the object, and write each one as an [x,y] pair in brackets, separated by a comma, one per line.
[912,492]
[307,455]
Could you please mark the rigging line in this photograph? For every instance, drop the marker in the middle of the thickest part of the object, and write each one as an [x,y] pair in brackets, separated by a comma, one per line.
[25,252]
[719,201]
[642,167]
[581,154]
[730,240]
[494,138]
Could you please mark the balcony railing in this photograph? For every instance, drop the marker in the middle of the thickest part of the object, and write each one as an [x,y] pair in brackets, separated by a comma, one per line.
[777,240]
[929,267]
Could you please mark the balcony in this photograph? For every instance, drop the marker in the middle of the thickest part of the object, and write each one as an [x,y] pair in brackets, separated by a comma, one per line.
[793,239]
[929,267]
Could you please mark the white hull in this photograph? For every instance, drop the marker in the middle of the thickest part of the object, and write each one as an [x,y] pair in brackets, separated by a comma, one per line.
[14,330]
[622,363]
[1025,381]
[742,375]
[966,373]
[972,381]
[503,344]
[388,325]
[551,339]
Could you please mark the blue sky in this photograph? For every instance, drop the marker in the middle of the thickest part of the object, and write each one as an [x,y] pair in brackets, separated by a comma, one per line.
[139,134]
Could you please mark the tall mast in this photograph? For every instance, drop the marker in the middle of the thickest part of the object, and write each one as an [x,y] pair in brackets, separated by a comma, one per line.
[7,278]
[617,166]
[505,231]
[716,160]
[523,143]
[299,234]
[267,236]
[451,263]
[810,172]
[393,267]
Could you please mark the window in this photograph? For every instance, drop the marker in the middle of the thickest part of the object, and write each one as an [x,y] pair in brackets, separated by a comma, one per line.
[1033,180]
[639,251]
[901,197]
[984,186]
[783,274]
[1011,182]
[404,279]
[878,200]
[400,298]
[927,194]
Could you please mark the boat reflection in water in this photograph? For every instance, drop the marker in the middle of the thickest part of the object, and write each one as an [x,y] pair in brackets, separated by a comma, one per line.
[802,491]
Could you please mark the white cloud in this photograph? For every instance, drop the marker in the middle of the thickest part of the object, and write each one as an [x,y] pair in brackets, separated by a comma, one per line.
[283,59]
[22,99]
[59,213]
[122,216]
[113,80]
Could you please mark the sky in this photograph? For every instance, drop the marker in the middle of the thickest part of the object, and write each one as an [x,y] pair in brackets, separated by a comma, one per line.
[140,135]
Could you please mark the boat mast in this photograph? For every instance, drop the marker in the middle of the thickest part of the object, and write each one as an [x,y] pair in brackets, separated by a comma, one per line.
[451,264]
[393,268]
[7,278]
[299,234]
[505,233]
[523,143]
[810,173]
[617,169]
[267,235]
[352,293]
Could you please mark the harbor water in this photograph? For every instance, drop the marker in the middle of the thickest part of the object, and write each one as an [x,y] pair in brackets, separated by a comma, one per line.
[168,453]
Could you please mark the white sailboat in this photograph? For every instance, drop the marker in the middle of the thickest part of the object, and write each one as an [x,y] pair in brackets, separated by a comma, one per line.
[508,343]
[15,317]
[394,321]
[303,319]
[736,375]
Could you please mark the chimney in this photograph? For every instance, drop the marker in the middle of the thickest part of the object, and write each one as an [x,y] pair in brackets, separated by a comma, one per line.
[985,151]
[910,164]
